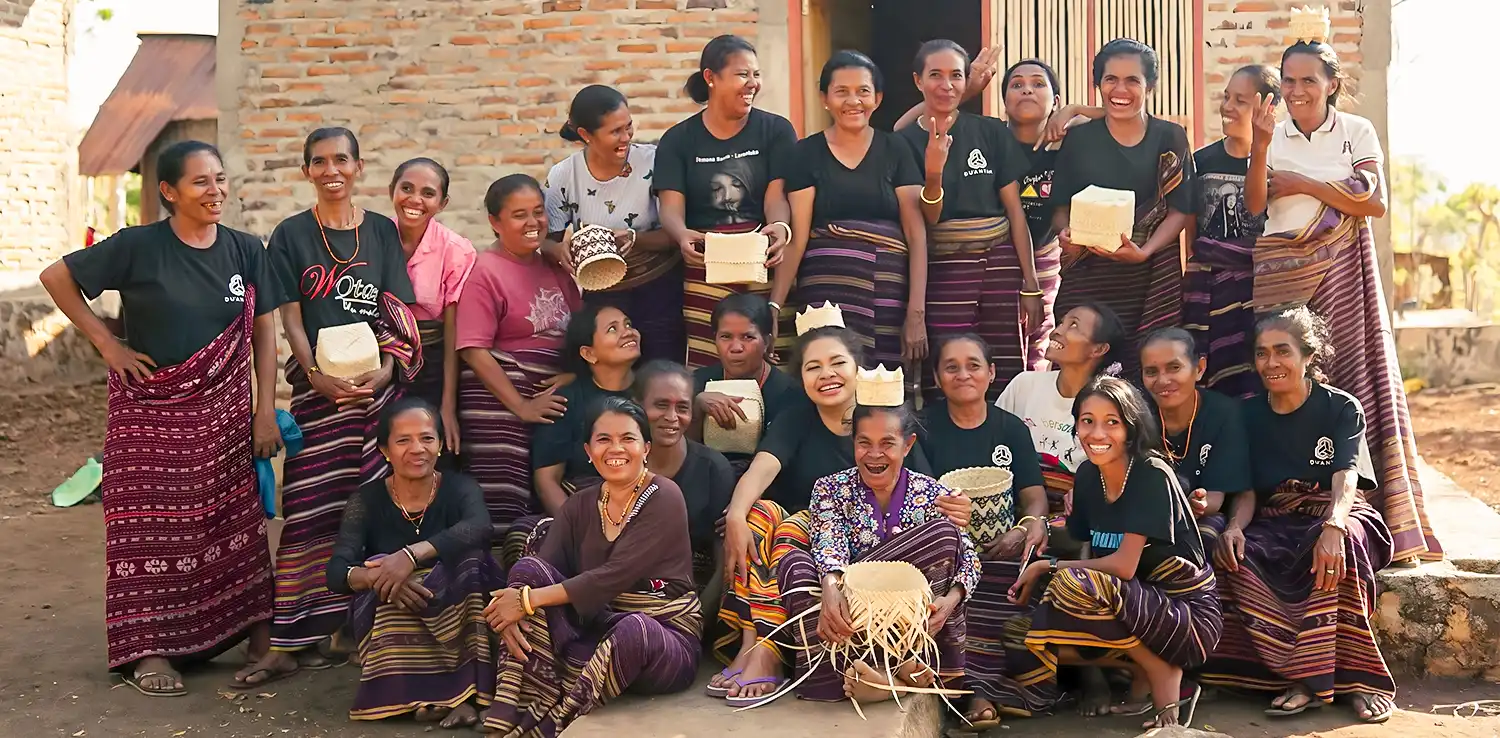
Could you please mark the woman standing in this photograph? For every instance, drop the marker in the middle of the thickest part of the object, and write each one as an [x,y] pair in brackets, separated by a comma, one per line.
[1127,150]
[1217,304]
[1326,183]
[1143,598]
[511,319]
[415,550]
[1308,559]
[607,605]
[609,184]
[438,262]
[181,432]
[858,238]
[336,265]
[723,169]
[983,272]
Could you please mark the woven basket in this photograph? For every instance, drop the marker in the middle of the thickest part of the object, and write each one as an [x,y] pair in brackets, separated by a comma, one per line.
[735,258]
[990,489]
[745,437]
[347,351]
[888,607]
[596,258]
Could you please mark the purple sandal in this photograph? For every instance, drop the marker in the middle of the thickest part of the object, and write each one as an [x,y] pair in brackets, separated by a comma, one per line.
[775,681]
[720,693]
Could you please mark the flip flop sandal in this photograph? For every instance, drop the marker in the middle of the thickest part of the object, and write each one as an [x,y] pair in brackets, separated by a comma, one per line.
[317,662]
[273,676]
[774,681]
[1376,718]
[720,693]
[1192,707]
[1312,703]
[979,725]
[1147,706]
[1138,710]
[177,690]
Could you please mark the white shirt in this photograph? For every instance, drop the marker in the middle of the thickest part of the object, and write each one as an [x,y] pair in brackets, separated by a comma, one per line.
[1336,148]
[1033,397]
[575,198]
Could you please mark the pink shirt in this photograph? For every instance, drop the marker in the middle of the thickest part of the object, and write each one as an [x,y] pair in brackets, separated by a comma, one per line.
[438,269]
[508,305]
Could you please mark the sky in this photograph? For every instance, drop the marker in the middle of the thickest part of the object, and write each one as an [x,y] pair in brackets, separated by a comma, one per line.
[1440,56]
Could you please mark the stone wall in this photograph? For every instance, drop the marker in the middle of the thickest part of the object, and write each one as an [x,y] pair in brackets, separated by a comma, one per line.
[480,85]
[38,158]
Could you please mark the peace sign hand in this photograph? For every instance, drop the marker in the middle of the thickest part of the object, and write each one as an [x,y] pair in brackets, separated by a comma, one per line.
[1263,120]
[982,71]
[938,143]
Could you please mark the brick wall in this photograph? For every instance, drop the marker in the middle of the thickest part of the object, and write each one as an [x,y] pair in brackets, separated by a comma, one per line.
[37,156]
[480,85]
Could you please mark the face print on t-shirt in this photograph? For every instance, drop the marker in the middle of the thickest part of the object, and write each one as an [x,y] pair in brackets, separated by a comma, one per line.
[729,189]
[1223,204]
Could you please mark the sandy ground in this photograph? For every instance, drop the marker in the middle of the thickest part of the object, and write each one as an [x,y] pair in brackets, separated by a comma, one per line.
[53,682]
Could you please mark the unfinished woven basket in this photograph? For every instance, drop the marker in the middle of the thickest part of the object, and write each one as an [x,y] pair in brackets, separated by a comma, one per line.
[745,437]
[596,259]
[990,489]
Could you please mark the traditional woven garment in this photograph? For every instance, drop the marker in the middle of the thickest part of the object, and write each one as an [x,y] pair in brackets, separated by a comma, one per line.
[700,298]
[1217,309]
[496,442]
[756,601]
[860,266]
[974,286]
[1278,629]
[187,568]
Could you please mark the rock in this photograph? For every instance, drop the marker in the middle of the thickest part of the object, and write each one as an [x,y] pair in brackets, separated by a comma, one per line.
[1177,731]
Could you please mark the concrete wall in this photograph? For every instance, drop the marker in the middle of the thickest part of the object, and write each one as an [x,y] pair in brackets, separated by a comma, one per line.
[1450,356]
[38,159]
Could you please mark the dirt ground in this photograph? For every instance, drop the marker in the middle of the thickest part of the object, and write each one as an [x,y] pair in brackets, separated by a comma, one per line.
[53,681]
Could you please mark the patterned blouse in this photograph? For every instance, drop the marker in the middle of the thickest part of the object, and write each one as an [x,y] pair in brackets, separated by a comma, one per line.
[847,524]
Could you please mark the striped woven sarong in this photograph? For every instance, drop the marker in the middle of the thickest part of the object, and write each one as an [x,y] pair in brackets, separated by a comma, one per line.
[935,547]
[441,656]
[988,612]
[699,298]
[1217,308]
[1277,628]
[756,603]
[974,286]
[1146,295]
[642,644]
[1048,258]
[339,454]
[497,443]
[861,266]
[1330,266]
[1173,612]
[187,571]
[428,384]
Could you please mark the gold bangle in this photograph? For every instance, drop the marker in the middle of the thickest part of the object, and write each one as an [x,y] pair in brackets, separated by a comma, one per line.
[1033,293]
[526,600]
[923,194]
[1023,521]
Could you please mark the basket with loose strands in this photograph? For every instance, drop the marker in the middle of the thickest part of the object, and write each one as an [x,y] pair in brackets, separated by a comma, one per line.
[990,488]
[889,603]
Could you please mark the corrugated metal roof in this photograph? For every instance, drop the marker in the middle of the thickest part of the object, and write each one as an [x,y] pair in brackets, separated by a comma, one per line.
[171,78]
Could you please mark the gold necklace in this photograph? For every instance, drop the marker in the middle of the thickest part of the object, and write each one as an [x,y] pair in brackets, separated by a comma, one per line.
[640,481]
[414,518]
[1187,445]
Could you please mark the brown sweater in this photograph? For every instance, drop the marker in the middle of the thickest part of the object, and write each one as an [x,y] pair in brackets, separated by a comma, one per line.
[653,554]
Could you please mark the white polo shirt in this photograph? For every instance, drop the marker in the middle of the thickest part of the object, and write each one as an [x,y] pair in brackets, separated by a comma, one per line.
[1343,142]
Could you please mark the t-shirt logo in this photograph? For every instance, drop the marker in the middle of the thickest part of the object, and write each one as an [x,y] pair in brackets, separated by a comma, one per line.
[549,312]
[1001,455]
[1349,148]
[1106,541]
[1324,450]
[237,286]
[1203,455]
[977,160]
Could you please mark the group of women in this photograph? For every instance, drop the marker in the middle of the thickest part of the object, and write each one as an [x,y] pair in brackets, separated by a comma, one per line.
[1267,496]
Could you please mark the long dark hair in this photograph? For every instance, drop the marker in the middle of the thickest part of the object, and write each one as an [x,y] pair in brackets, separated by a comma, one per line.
[714,58]
[848,59]
[1142,432]
[1267,80]
[171,165]
[501,189]
[422,161]
[1047,71]
[581,328]
[1150,65]
[1110,330]
[849,338]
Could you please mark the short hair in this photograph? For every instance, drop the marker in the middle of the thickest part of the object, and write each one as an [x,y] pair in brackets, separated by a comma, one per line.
[848,59]
[501,189]
[614,405]
[656,369]
[919,63]
[324,134]
[422,161]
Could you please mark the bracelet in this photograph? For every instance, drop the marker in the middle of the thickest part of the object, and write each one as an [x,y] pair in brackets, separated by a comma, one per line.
[774,305]
[923,195]
[1033,293]
[526,600]
[783,225]
[1336,526]
[349,575]
[1023,521]
[314,370]
[407,550]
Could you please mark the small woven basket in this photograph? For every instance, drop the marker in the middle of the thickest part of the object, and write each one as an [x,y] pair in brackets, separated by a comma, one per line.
[735,258]
[888,607]
[596,258]
[347,351]
[990,489]
[745,437]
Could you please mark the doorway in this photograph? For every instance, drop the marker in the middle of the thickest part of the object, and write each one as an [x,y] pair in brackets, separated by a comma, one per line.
[890,32]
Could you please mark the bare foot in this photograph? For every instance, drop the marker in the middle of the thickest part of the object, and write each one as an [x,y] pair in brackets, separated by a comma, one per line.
[1373,708]
[1096,694]
[274,665]
[463,716]
[1296,699]
[430,713]
[759,663]
[725,679]
[862,684]
[1139,702]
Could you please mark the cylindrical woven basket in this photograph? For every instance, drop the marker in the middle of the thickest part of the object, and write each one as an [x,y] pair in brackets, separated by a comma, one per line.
[597,263]
[888,607]
[990,489]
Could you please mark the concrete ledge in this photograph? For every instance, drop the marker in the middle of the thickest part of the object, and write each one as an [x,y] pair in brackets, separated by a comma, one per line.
[693,715]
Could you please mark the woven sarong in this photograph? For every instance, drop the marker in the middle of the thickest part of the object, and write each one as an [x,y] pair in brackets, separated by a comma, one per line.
[861,267]
[187,570]
[1277,628]
[642,644]
[756,602]
[1217,308]
[497,443]
[699,298]
[974,286]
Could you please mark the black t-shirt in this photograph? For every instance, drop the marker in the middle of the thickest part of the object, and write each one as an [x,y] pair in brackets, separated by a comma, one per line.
[340,291]
[778,393]
[866,192]
[1152,505]
[1091,156]
[984,158]
[1323,436]
[724,180]
[808,451]
[1036,193]
[175,298]
[1216,452]
[1003,440]
[1222,214]
[562,441]
[707,483]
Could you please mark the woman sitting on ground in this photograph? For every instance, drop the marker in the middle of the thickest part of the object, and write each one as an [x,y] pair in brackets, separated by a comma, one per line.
[743,331]
[414,549]
[607,604]
[878,511]
[1309,556]
[599,348]
[1143,596]
[665,390]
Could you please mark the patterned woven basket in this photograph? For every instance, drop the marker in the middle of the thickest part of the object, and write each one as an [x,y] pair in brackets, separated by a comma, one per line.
[990,489]
[745,437]
[347,351]
[596,259]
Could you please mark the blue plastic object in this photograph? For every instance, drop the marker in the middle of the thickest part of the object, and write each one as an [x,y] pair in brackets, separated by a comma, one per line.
[265,474]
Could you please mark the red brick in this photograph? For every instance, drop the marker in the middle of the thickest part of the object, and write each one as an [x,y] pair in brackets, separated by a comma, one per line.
[279,72]
[636,48]
[563,37]
[349,56]
[655,4]
[304,57]
[304,87]
[587,19]
[378,40]
[277,102]
[684,48]
[325,70]
[353,27]
[603,64]
[609,4]
[542,22]
[304,117]
[1255,6]
[468,40]
[562,6]
[533,81]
